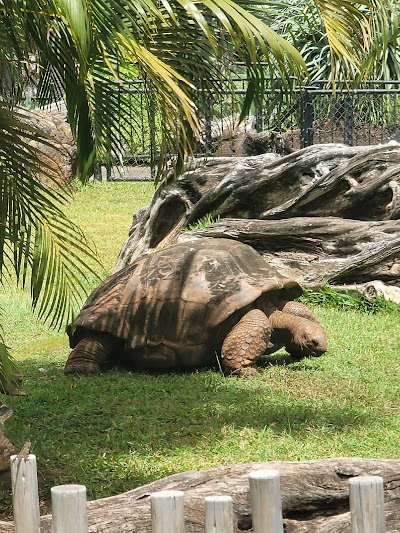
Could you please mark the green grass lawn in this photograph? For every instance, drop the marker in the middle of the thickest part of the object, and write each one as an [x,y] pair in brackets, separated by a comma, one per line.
[116,431]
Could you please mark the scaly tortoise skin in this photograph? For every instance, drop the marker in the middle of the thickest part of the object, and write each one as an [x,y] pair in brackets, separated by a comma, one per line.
[184,305]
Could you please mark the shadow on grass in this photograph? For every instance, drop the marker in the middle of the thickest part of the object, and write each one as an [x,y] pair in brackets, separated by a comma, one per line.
[109,431]
[177,408]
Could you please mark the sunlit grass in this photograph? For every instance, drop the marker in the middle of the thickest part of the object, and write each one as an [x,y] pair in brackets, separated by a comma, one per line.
[119,430]
[104,211]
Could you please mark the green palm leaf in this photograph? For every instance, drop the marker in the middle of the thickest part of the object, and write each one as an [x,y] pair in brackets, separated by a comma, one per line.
[351,30]
[38,244]
[7,365]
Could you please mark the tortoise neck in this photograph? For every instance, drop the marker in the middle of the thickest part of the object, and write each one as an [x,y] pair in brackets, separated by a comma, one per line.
[285,324]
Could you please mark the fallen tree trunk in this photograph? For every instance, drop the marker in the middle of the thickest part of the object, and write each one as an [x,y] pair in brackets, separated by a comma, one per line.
[316,250]
[315,497]
[359,184]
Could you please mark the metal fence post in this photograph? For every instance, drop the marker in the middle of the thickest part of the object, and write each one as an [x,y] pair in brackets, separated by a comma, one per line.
[97,172]
[108,171]
[152,134]
[207,125]
[259,115]
[348,120]
[307,118]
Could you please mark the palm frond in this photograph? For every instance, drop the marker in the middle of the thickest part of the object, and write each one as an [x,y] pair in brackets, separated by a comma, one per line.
[7,363]
[351,29]
[382,58]
[35,233]
[75,15]
[72,36]
[14,50]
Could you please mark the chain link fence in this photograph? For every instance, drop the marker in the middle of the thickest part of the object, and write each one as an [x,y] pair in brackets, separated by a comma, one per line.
[281,121]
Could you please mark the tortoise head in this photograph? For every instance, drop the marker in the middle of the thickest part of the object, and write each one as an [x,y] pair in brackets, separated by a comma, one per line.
[308,340]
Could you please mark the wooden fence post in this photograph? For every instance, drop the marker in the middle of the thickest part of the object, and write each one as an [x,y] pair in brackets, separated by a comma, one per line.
[265,495]
[25,494]
[167,512]
[218,514]
[367,506]
[69,509]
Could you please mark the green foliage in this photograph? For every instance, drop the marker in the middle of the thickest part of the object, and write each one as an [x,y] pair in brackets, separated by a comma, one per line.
[329,297]
[39,246]
[202,223]
[7,365]
[87,52]
[183,51]
[309,26]
[115,431]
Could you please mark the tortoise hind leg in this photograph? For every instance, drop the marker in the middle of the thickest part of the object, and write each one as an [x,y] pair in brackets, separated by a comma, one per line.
[245,343]
[90,354]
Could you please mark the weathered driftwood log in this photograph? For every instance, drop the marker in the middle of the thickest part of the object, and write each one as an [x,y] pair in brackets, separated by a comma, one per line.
[315,497]
[350,183]
[315,250]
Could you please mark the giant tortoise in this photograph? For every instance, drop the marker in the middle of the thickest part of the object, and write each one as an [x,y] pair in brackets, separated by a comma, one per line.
[191,305]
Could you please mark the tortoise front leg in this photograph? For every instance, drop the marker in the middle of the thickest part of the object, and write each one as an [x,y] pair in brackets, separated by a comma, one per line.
[245,343]
[90,354]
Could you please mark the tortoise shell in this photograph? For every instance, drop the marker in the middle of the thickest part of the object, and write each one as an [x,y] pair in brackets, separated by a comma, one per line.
[180,295]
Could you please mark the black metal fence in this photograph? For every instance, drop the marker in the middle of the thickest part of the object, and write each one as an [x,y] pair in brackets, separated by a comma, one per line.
[302,117]
[364,116]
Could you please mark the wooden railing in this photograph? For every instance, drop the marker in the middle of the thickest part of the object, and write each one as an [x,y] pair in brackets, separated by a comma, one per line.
[69,505]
